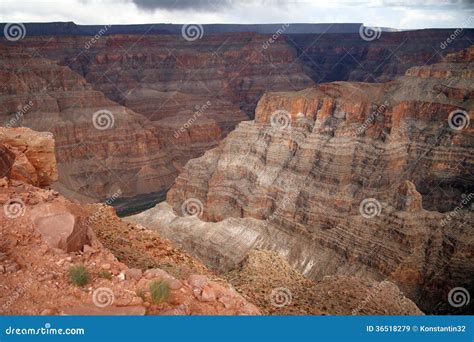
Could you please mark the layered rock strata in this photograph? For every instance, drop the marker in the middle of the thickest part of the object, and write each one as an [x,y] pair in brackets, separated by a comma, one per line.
[166,75]
[101,147]
[344,178]
[193,93]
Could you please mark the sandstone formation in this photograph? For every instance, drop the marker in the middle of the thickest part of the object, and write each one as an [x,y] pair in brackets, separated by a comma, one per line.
[35,161]
[347,295]
[163,76]
[409,199]
[33,263]
[344,178]
[43,235]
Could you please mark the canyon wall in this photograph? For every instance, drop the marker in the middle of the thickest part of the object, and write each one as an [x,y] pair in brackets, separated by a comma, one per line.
[374,55]
[161,102]
[170,100]
[373,180]
[102,147]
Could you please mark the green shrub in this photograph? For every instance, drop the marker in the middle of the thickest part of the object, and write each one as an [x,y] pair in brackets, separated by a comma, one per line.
[104,274]
[160,291]
[78,275]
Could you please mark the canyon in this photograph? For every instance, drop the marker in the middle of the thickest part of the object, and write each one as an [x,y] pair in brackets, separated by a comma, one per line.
[322,173]
[368,179]
[161,100]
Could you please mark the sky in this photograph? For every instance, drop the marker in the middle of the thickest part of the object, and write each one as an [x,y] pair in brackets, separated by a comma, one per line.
[400,14]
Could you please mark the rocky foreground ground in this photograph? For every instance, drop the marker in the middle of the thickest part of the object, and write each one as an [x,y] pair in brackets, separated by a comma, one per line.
[44,235]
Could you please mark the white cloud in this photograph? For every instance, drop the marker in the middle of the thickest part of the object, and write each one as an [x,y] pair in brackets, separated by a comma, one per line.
[390,13]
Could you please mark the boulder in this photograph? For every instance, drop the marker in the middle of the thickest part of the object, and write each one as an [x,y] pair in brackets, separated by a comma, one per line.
[197,281]
[133,273]
[60,226]
[208,294]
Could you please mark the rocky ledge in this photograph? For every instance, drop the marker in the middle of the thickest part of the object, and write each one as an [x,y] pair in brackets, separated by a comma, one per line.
[53,259]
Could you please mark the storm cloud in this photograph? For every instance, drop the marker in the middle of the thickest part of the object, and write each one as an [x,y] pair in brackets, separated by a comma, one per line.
[198,5]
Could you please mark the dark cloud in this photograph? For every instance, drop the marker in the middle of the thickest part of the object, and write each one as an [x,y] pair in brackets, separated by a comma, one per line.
[197,5]
[207,5]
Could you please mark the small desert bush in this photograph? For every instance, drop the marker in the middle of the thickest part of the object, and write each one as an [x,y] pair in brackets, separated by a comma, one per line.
[160,291]
[78,275]
[104,274]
